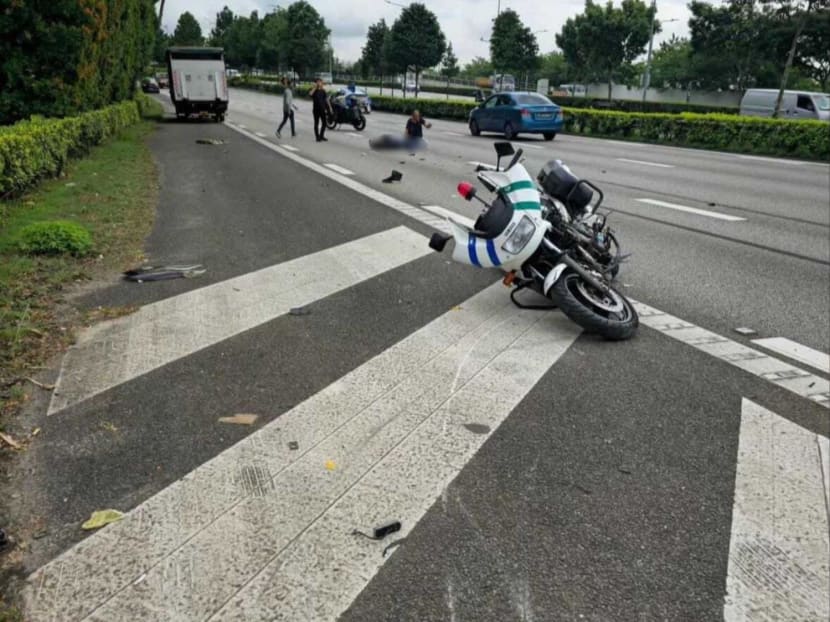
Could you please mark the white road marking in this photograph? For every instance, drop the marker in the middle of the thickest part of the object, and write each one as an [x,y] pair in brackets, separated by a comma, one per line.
[643,162]
[260,134]
[753,361]
[264,532]
[454,133]
[692,210]
[444,213]
[244,127]
[354,134]
[797,352]
[289,147]
[491,167]
[527,146]
[339,169]
[773,160]
[779,549]
[115,352]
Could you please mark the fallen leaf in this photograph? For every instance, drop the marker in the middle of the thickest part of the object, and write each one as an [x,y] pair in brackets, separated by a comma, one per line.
[100,518]
[10,441]
[457,308]
[35,432]
[330,465]
[240,419]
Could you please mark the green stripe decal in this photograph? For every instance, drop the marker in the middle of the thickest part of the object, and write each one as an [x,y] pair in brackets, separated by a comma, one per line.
[518,185]
[527,205]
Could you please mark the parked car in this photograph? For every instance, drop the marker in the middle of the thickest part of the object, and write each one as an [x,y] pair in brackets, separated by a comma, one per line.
[149,85]
[794,105]
[517,113]
[163,80]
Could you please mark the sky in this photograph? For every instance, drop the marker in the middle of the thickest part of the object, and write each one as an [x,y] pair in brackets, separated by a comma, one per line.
[464,22]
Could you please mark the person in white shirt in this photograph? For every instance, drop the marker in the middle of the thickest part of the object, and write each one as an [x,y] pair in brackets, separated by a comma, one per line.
[288,106]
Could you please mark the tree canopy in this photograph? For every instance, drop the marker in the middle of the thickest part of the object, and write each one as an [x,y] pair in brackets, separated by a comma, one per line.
[373,58]
[513,45]
[58,58]
[188,31]
[604,40]
[415,40]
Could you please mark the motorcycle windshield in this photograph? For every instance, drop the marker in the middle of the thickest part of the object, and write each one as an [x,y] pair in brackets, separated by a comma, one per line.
[517,187]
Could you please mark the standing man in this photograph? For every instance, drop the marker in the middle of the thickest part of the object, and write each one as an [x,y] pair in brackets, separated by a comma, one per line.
[320,103]
[288,106]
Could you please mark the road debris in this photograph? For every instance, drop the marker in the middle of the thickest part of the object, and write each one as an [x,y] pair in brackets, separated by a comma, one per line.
[9,440]
[45,387]
[163,273]
[392,545]
[395,176]
[330,465]
[100,518]
[4,540]
[477,428]
[299,311]
[743,330]
[210,141]
[381,531]
[109,427]
[293,445]
[240,419]
[34,432]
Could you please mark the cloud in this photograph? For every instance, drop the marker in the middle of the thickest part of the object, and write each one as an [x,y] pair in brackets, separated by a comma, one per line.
[464,22]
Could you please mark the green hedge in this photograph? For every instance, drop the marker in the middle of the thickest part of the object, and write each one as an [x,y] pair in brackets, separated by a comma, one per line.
[625,105]
[801,139]
[38,148]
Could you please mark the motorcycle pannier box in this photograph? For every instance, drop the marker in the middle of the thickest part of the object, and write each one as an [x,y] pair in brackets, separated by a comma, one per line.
[557,180]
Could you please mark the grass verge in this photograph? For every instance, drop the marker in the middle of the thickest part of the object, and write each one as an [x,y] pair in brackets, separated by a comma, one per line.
[112,192]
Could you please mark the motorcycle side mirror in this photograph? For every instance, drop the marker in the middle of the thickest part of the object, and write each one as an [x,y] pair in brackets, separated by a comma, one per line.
[502,149]
[466,190]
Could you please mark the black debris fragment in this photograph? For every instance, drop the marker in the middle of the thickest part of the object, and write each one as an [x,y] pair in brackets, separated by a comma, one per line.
[299,311]
[395,176]
[210,141]
[293,445]
[4,540]
[477,428]
[380,532]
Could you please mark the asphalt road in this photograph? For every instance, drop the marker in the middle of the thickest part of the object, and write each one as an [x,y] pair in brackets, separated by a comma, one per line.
[538,473]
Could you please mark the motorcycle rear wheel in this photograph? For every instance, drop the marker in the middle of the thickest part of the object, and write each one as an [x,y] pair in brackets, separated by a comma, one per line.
[610,315]
[360,124]
[331,121]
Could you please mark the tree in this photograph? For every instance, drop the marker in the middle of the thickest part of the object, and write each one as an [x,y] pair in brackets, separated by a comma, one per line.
[415,41]
[161,43]
[513,45]
[604,40]
[188,31]
[242,41]
[304,43]
[224,20]
[672,65]
[449,67]
[813,55]
[373,58]
[272,33]
[477,68]
[555,68]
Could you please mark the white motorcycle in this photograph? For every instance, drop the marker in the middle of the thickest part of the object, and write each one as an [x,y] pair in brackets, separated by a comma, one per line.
[515,234]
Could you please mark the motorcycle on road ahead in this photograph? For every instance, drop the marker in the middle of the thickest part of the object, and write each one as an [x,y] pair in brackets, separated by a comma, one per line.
[554,243]
[341,112]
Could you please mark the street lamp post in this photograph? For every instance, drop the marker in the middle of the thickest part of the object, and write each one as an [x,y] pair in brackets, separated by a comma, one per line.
[647,75]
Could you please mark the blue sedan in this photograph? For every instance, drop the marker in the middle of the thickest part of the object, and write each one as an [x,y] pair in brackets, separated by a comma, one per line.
[514,113]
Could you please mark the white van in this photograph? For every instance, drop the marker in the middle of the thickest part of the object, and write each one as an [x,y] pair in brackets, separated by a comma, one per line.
[794,105]
[197,81]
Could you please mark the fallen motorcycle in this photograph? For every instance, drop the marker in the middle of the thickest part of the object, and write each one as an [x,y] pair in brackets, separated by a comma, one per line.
[561,250]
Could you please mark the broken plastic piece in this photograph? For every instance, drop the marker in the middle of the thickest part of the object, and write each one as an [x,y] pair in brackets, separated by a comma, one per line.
[477,428]
[293,445]
[100,518]
[210,141]
[240,419]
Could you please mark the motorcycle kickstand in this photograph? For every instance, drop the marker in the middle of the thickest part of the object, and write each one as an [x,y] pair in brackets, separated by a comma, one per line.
[521,305]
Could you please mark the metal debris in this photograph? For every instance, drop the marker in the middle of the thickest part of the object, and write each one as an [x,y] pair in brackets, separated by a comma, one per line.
[163,273]
[210,141]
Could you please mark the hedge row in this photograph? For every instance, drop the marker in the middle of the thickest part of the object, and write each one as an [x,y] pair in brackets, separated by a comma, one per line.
[624,105]
[38,148]
[802,139]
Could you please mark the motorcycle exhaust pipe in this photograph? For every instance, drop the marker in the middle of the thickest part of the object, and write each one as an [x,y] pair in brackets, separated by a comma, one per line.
[573,265]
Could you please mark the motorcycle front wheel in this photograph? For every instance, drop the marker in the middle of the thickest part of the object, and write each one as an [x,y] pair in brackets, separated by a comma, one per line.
[331,121]
[360,123]
[610,315]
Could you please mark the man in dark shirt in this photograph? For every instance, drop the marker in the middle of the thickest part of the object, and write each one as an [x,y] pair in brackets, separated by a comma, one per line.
[320,103]
[415,125]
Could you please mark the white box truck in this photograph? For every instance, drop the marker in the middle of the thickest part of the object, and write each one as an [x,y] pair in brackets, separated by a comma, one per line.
[198,84]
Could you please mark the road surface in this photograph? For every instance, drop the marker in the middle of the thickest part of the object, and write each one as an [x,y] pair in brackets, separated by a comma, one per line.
[538,473]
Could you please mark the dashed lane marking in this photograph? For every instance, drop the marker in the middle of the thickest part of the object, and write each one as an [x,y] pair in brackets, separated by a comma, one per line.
[645,163]
[692,210]
[339,169]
